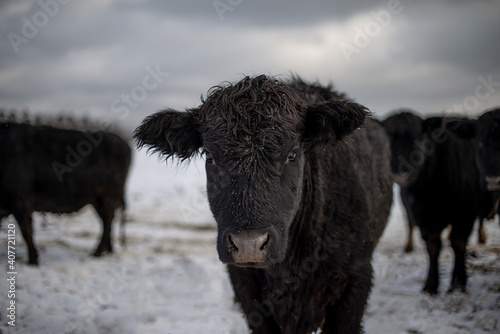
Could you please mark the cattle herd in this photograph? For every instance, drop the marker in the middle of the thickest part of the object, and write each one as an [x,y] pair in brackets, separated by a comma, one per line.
[299,181]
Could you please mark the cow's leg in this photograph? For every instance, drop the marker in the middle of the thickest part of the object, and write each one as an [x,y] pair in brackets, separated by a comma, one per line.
[248,292]
[481,234]
[346,314]
[411,224]
[458,237]
[25,223]
[433,242]
[409,243]
[107,214]
[1,218]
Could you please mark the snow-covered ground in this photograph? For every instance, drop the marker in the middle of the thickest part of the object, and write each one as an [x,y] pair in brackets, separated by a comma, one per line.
[169,280]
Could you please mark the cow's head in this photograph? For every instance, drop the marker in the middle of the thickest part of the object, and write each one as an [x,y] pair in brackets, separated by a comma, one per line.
[404,130]
[486,133]
[256,136]
[414,142]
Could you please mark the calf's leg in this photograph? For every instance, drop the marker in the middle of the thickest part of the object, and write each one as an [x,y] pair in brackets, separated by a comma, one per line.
[346,314]
[433,242]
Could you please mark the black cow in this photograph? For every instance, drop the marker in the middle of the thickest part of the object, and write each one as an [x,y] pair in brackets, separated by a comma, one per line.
[439,181]
[486,134]
[300,195]
[48,169]
[402,142]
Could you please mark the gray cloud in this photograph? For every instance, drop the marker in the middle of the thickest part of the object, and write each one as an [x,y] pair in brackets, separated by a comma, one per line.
[257,14]
[90,53]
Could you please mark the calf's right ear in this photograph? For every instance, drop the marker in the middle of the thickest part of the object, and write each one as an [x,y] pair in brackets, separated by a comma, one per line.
[332,121]
[171,133]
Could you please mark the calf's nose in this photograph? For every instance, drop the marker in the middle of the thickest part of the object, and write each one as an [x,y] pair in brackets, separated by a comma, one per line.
[248,247]
[492,183]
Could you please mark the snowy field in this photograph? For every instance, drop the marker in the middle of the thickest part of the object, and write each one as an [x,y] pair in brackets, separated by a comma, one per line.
[169,280]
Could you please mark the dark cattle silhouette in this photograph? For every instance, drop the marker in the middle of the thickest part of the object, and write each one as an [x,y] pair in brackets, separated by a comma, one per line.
[403,135]
[47,169]
[300,194]
[439,182]
[485,131]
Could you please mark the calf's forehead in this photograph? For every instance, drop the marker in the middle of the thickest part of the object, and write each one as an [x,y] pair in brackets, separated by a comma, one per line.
[252,112]
[265,141]
[251,104]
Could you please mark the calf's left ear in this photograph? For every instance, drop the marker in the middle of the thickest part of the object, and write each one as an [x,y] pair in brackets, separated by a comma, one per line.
[171,133]
[329,122]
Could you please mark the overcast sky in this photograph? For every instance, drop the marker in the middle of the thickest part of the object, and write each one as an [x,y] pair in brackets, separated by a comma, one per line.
[124,59]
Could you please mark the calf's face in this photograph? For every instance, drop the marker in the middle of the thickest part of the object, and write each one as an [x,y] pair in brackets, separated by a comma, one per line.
[254,185]
[256,136]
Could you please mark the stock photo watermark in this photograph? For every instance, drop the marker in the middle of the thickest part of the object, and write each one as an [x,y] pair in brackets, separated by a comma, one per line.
[127,101]
[292,282]
[11,275]
[75,156]
[483,91]
[121,106]
[223,6]
[363,36]
[426,146]
[31,25]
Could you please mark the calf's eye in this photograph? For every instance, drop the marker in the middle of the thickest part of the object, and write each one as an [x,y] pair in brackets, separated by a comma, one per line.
[292,156]
[209,157]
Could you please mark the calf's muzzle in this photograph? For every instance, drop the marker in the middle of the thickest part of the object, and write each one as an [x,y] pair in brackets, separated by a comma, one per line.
[248,247]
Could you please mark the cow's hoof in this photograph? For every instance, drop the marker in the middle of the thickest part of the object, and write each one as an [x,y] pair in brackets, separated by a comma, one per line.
[408,249]
[430,290]
[457,287]
[100,252]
